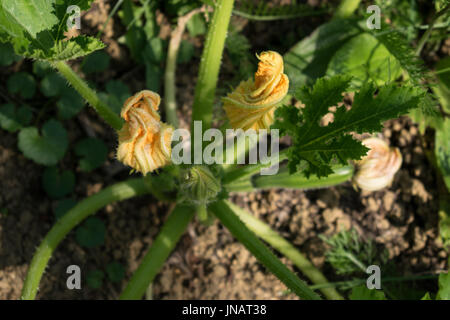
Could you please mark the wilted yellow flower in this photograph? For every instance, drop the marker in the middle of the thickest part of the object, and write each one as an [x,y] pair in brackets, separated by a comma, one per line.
[377,169]
[144,141]
[252,104]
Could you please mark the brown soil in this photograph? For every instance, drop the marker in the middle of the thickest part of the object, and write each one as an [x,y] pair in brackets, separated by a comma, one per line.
[208,262]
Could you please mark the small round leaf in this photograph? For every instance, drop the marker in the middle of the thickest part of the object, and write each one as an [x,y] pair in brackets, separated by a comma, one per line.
[91,233]
[58,184]
[46,149]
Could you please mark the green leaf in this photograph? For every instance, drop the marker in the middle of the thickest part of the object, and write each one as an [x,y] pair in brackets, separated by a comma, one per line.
[53,84]
[444,287]
[442,90]
[196,25]
[116,94]
[179,7]
[363,293]
[135,36]
[93,153]
[70,103]
[22,83]
[94,279]
[153,75]
[12,119]
[91,233]
[115,271]
[155,51]
[319,146]
[63,206]
[46,149]
[58,184]
[364,58]
[71,49]
[7,55]
[19,18]
[35,29]
[42,68]
[399,47]
[96,62]
[309,59]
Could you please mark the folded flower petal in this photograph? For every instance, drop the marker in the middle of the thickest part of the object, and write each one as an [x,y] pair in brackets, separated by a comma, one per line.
[377,169]
[144,141]
[252,104]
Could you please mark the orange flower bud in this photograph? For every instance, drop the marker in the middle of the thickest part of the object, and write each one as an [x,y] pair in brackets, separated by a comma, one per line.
[377,169]
[252,104]
[144,141]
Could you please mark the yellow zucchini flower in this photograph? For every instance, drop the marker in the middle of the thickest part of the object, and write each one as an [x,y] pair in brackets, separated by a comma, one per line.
[252,104]
[144,141]
[377,169]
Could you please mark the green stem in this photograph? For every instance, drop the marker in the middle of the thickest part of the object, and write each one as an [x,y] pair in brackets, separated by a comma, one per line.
[356,261]
[427,33]
[296,180]
[116,192]
[210,64]
[228,217]
[169,82]
[89,95]
[256,17]
[163,245]
[346,8]
[270,236]
[290,181]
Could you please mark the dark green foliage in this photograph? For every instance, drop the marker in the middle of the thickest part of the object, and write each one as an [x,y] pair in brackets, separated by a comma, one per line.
[91,233]
[309,58]
[115,271]
[93,153]
[7,55]
[363,293]
[36,29]
[95,62]
[186,52]
[58,184]
[349,254]
[46,148]
[23,84]
[116,94]
[196,25]
[12,118]
[63,206]
[318,145]
[94,279]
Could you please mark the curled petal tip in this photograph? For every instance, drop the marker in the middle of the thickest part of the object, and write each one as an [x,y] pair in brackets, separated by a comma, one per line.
[377,169]
[252,104]
[144,141]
